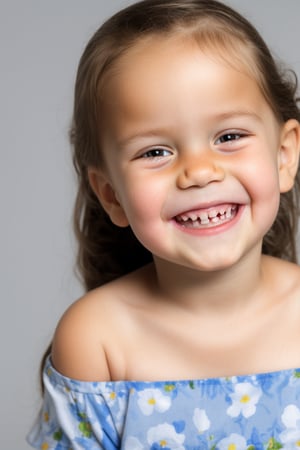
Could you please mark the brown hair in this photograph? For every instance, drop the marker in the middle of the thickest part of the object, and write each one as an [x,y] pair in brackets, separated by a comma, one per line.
[105,250]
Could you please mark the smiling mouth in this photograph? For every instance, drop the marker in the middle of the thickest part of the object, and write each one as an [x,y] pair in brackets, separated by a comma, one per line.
[206,218]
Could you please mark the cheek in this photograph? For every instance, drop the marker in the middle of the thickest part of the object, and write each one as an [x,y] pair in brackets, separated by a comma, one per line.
[264,193]
[142,200]
[143,204]
[265,184]
[261,177]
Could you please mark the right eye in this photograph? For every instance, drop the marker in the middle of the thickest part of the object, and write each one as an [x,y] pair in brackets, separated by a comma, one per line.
[156,153]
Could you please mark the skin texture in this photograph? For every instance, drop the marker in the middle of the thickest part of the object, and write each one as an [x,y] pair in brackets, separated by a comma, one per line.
[187,136]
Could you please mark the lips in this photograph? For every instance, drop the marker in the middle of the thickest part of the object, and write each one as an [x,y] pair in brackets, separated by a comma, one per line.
[206,218]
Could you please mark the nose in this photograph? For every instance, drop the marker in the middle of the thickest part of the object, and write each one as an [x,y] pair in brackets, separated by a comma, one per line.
[200,170]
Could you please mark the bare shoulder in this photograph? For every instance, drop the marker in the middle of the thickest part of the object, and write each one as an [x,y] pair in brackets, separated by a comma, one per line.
[89,338]
[78,344]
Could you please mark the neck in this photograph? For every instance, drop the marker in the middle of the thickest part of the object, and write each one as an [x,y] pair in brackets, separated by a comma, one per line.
[217,291]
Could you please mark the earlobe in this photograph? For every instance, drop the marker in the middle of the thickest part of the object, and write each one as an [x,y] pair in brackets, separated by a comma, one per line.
[288,158]
[104,191]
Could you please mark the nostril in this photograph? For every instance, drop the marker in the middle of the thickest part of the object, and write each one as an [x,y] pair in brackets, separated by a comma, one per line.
[200,174]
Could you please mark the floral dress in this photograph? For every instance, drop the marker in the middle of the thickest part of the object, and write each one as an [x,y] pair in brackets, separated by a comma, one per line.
[253,412]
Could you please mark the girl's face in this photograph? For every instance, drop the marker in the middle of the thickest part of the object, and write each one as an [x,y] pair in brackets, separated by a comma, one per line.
[195,158]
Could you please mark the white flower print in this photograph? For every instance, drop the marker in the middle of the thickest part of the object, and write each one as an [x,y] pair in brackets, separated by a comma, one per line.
[233,442]
[291,417]
[113,400]
[291,420]
[133,443]
[244,400]
[165,436]
[151,400]
[119,420]
[109,395]
[290,438]
[201,421]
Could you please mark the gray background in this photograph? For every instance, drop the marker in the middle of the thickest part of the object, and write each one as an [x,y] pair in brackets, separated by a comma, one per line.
[40,44]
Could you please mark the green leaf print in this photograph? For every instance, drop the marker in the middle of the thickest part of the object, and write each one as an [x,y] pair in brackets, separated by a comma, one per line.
[57,436]
[192,385]
[169,387]
[274,445]
[86,429]
[297,374]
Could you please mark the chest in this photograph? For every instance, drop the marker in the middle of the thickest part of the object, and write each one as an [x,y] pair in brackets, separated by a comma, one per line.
[194,349]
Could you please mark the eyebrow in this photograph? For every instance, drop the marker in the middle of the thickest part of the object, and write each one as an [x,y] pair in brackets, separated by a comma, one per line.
[157,132]
[238,113]
[142,135]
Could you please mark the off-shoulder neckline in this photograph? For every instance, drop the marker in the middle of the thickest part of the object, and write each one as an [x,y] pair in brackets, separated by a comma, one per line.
[57,378]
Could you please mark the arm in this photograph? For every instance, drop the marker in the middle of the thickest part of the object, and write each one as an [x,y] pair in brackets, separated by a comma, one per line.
[75,414]
[78,346]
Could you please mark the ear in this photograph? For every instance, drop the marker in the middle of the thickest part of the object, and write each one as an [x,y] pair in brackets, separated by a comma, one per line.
[104,191]
[288,157]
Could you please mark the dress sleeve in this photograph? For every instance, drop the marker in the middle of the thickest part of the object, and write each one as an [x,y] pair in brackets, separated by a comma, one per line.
[77,415]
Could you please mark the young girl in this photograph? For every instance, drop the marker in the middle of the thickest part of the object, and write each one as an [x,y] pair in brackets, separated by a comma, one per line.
[186,143]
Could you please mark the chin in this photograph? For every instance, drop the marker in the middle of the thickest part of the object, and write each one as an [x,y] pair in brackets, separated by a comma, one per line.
[218,263]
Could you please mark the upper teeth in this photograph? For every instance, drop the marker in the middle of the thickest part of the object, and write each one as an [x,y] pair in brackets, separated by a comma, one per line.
[213,215]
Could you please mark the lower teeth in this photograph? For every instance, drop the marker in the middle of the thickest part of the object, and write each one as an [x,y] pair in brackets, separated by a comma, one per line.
[213,220]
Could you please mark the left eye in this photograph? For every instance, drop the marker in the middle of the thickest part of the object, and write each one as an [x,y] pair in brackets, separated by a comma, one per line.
[229,137]
[156,153]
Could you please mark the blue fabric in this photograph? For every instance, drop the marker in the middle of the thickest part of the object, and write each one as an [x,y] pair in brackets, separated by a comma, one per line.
[255,412]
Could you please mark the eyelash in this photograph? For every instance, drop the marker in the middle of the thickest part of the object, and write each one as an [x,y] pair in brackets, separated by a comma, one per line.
[228,138]
[156,153]
[232,137]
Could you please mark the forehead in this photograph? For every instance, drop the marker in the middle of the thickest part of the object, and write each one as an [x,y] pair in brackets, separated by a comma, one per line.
[169,72]
[227,49]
